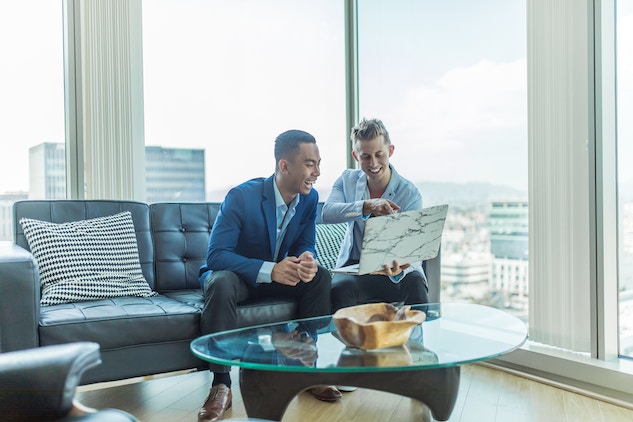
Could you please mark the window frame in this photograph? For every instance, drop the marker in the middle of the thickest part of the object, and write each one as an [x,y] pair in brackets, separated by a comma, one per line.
[602,372]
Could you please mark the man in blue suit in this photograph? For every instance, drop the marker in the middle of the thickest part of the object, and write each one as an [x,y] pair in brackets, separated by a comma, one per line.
[263,245]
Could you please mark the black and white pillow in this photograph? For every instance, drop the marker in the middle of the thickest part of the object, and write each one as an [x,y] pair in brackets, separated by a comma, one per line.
[87,259]
[328,243]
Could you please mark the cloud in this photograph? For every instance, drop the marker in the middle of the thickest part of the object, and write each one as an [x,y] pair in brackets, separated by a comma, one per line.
[485,97]
[472,122]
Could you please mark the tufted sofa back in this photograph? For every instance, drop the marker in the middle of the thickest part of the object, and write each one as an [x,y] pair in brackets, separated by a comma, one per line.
[172,237]
[181,237]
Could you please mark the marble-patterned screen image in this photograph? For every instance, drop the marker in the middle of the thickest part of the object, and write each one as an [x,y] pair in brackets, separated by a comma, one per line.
[407,237]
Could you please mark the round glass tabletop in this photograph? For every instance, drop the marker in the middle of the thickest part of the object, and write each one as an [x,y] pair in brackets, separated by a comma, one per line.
[452,334]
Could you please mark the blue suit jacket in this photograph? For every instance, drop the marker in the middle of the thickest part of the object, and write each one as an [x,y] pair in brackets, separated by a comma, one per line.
[244,232]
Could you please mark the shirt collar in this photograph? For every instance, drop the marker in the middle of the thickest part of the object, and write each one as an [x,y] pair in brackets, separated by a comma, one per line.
[394,181]
[279,200]
[391,188]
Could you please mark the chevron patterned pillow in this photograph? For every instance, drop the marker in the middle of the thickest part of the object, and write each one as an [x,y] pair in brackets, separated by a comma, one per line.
[328,243]
[87,259]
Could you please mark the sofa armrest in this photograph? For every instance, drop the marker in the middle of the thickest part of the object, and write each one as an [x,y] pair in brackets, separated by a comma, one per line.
[19,298]
[40,384]
[433,272]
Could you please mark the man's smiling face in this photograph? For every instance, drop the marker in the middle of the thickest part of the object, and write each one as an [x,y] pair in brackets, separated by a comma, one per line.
[373,157]
[301,171]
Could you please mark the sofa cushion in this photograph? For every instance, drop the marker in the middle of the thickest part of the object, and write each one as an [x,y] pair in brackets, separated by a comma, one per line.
[120,322]
[86,259]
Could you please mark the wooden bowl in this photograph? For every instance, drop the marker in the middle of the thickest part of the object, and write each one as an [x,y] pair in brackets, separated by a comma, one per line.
[376,325]
[385,357]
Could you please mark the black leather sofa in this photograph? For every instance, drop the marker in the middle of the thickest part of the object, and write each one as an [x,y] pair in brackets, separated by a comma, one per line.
[137,336]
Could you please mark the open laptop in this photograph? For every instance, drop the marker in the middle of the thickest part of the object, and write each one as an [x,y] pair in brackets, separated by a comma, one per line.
[407,237]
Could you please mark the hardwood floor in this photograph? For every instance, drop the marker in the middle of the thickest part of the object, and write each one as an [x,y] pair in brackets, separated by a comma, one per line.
[485,395]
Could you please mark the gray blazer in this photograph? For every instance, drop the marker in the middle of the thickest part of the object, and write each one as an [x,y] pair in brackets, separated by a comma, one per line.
[345,205]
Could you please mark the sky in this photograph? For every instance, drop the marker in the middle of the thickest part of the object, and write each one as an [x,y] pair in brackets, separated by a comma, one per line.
[31,85]
[625,91]
[447,78]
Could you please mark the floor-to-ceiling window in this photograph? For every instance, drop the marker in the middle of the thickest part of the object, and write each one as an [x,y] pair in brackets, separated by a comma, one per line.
[283,62]
[449,80]
[624,54]
[31,105]
[223,78]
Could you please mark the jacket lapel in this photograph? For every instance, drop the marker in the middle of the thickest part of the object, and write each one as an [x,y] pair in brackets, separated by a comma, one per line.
[361,185]
[270,213]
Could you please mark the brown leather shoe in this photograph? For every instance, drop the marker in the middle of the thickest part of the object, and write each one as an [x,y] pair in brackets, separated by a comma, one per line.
[326,393]
[220,399]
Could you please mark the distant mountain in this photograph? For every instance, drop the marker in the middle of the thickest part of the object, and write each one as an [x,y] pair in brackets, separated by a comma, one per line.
[467,194]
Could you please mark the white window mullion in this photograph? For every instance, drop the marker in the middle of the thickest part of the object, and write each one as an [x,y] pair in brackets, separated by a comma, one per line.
[602,105]
[110,98]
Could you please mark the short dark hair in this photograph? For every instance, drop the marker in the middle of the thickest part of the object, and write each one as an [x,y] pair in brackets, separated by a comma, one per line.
[288,142]
[368,129]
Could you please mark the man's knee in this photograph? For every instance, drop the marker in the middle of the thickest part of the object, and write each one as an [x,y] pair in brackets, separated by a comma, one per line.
[416,279]
[342,283]
[414,288]
[344,292]
[221,283]
[324,279]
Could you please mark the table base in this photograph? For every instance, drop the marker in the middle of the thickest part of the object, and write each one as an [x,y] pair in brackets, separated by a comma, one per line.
[267,394]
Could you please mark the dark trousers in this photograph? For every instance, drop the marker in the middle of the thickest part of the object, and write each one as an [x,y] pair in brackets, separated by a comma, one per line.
[351,290]
[223,290]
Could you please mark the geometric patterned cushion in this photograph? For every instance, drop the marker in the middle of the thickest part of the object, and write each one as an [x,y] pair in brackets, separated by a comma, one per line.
[86,260]
[328,243]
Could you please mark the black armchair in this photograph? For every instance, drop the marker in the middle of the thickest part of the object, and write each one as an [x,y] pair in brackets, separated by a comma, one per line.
[39,384]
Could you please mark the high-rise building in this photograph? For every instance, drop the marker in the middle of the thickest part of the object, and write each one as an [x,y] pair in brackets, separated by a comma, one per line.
[6,213]
[465,276]
[464,269]
[466,258]
[508,224]
[171,174]
[174,174]
[47,171]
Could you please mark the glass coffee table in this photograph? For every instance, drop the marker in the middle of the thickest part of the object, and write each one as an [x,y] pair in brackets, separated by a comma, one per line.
[278,361]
